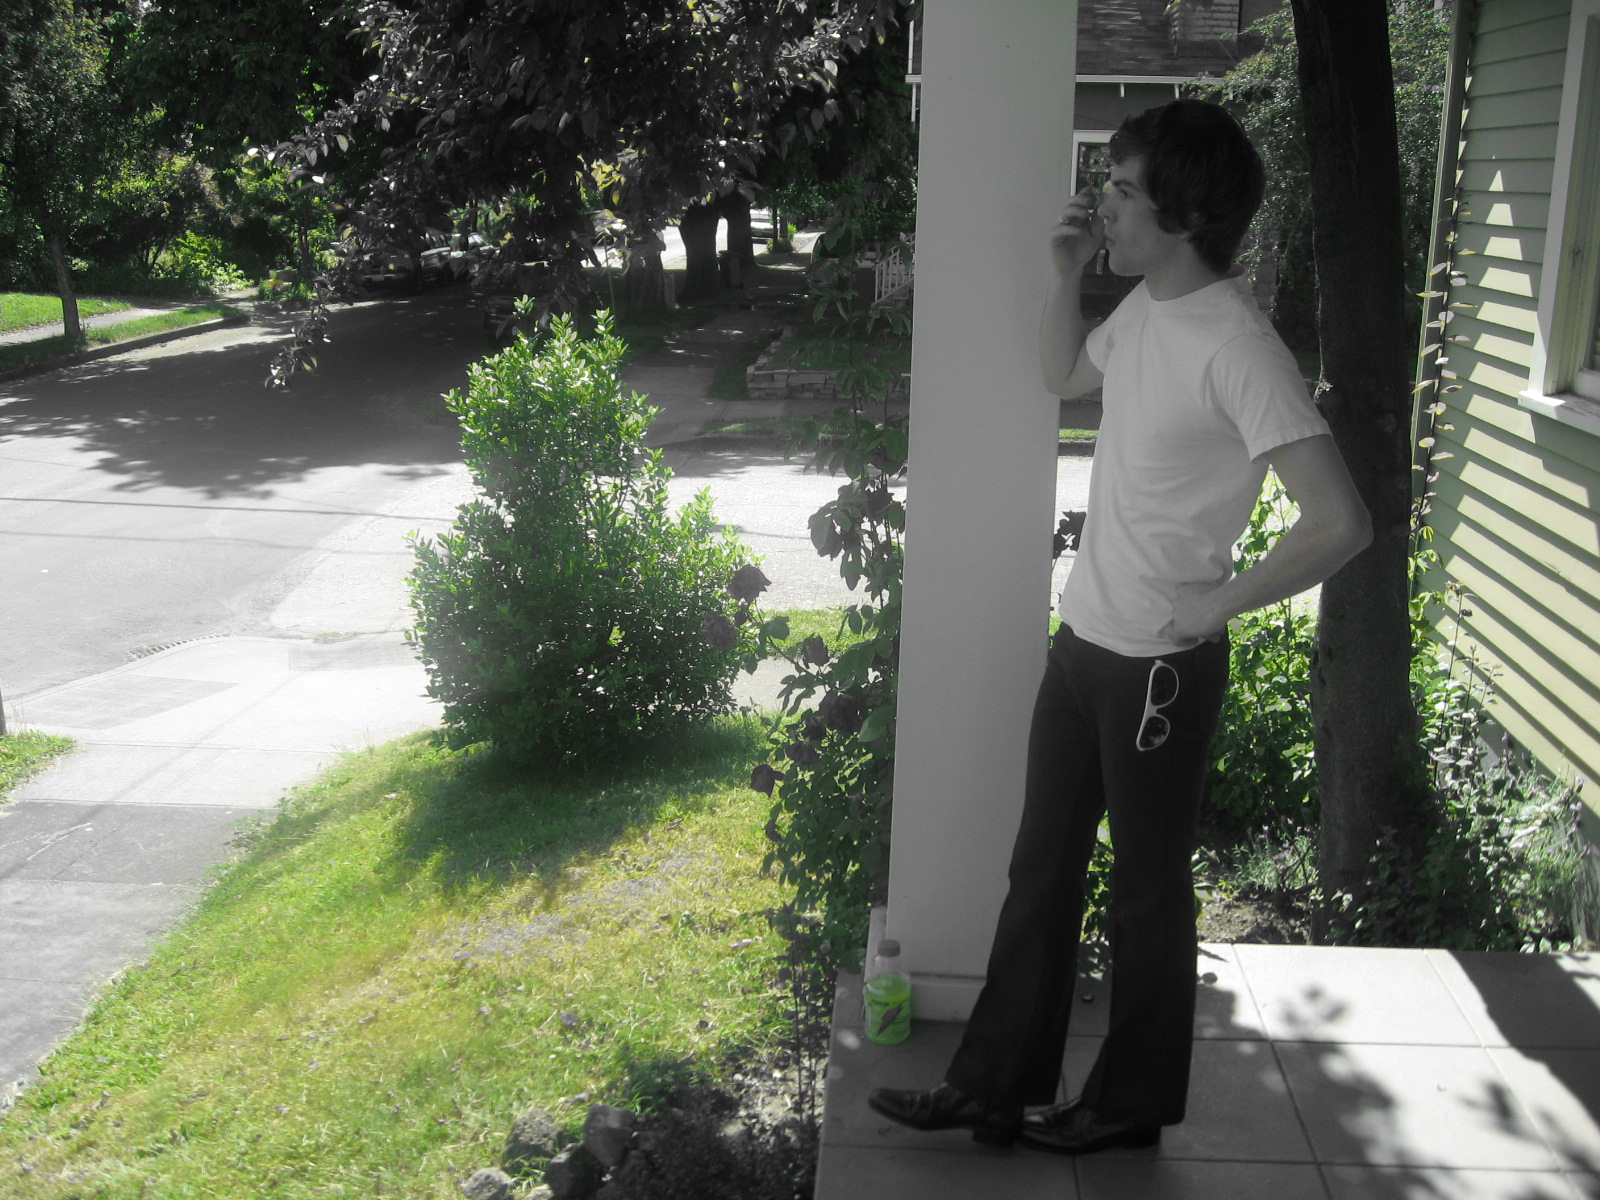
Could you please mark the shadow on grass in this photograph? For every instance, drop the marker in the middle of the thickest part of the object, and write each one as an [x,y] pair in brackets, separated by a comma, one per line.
[474,817]
[495,818]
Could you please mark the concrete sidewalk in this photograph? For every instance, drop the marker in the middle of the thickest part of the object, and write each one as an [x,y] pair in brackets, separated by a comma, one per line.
[176,752]
[1319,1074]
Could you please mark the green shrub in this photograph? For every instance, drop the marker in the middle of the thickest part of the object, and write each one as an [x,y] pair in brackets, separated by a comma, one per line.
[1263,773]
[834,740]
[1501,865]
[566,611]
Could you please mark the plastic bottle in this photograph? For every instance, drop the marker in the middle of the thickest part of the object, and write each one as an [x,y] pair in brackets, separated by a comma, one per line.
[886,996]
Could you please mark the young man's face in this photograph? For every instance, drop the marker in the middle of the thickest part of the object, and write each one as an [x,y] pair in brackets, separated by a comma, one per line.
[1136,243]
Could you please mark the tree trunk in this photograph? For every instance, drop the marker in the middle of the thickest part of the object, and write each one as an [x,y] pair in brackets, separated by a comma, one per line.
[736,209]
[698,227]
[1365,720]
[643,279]
[72,327]
[302,241]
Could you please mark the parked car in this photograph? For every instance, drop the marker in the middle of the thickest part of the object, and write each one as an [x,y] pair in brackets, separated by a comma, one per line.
[390,269]
[498,286]
[451,258]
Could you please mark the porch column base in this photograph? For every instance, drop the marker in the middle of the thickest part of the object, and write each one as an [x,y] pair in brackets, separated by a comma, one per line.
[943,997]
[933,997]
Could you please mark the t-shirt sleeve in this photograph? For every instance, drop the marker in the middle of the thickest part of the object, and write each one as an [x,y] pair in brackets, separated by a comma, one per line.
[1257,384]
[1099,342]
[1104,335]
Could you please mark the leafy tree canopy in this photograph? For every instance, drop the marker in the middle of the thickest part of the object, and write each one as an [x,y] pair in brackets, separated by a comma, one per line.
[544,111]
[649,105]
[222,76]
[1264,90]
[59,135]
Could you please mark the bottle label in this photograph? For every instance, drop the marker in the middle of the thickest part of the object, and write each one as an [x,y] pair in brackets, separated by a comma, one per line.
[887,1005]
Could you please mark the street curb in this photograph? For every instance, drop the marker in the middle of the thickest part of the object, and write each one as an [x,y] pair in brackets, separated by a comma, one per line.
[137,343]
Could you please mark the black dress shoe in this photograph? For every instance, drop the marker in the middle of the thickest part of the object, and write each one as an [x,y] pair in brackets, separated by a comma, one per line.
[1074,1129]
[944,1107]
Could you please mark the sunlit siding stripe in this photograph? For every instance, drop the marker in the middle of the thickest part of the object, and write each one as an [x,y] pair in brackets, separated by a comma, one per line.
[1490,447]
[1565,741]
[1513,509]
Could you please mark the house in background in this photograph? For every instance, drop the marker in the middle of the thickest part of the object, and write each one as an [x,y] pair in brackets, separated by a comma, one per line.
[1133,55]
[1517,443]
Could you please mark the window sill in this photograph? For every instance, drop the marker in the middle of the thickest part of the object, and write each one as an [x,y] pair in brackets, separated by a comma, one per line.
[1577,411]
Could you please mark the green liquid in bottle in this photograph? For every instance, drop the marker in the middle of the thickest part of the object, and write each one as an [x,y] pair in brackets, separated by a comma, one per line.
[886,997]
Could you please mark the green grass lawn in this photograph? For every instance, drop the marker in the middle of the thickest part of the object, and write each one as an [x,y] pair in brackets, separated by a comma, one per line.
[43,349]
[23,310]
[26,754]
[646,333]
[771,429]
[826,623]
[417,948]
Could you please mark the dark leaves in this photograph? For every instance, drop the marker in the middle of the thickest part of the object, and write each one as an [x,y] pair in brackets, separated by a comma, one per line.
[1069,532]
[814,652]
[748,583]
[803,754]
[841,713]
[718,632]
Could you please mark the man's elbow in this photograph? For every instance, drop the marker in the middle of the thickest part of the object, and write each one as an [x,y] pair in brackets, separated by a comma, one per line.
[1354,531]
[1058,381]
[1071,386]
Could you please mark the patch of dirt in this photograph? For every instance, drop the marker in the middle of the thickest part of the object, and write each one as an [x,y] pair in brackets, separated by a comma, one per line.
[1244,919]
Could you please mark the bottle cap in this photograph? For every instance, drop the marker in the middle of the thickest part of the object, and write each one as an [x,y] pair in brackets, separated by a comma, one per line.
[888,948]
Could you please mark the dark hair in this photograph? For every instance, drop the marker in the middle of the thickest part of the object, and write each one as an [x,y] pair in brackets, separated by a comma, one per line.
[1200,171]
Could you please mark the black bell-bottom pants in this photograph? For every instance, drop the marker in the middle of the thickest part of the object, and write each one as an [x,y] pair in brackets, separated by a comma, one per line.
[1085,764]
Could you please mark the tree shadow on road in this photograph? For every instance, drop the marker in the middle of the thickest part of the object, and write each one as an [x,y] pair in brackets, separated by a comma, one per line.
[204,421]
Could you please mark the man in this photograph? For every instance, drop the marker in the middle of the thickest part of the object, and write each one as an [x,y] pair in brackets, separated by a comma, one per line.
[1200,397]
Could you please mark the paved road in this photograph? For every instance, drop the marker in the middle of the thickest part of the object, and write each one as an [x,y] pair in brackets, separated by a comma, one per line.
[163,494]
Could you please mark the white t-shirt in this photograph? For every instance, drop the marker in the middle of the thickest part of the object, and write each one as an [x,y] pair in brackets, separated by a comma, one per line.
[1197,390]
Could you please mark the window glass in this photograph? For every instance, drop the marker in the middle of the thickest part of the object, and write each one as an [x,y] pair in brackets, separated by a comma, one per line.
[1594,338]
[1093,166]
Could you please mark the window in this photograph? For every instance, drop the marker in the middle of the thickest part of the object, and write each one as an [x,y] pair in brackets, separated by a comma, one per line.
[1091,159]
[1588,381]
[1091,167]
[1565,382]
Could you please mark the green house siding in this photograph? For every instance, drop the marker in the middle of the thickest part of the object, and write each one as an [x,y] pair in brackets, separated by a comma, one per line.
[1515,500]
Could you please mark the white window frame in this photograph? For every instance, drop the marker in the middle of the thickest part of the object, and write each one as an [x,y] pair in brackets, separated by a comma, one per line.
[1561,385]
[1079,137]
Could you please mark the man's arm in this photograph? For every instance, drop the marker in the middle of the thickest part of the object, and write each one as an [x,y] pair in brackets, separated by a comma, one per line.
[1332,528]
[1068,370]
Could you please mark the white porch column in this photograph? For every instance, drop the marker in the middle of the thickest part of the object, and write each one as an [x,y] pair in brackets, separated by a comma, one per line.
[996,136]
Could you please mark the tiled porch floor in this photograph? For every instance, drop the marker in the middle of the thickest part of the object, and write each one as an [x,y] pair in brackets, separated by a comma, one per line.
[1319,1074]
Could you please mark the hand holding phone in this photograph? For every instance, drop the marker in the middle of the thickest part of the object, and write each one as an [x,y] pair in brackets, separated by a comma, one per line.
[1075,241]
